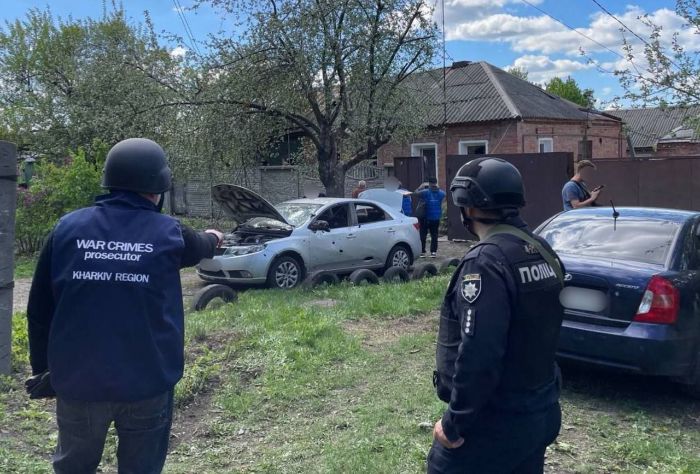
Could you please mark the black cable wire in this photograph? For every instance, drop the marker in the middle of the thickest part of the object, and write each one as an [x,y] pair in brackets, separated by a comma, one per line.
[611,15]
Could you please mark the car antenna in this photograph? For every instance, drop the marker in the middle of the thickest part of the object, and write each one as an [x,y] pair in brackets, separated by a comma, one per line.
[616,215]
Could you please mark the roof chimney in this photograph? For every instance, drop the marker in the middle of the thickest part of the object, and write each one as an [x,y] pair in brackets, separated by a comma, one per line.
[459,64]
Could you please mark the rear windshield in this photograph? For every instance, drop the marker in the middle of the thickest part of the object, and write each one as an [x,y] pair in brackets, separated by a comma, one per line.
[637,240]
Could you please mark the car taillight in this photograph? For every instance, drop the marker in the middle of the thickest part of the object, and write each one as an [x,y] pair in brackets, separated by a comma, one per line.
[660,303]
[417,226]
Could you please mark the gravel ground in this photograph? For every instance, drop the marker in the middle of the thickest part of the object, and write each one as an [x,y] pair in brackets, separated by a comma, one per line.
[191,282]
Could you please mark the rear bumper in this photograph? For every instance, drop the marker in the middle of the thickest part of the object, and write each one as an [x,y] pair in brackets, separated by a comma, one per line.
[652,349]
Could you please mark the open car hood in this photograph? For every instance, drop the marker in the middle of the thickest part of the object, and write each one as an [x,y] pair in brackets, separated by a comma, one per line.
[242,204]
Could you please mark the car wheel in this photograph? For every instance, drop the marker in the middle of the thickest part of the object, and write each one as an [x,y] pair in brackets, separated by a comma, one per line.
[399,256]
[319,278]
[424,270]
[211,292]
[363,275]
[285,273]
[446,264]
[396,275]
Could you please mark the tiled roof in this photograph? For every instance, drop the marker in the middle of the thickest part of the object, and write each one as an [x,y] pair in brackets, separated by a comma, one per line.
[480,92]
[648,125]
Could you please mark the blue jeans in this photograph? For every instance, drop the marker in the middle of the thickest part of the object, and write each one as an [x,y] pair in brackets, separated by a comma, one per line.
[143,430]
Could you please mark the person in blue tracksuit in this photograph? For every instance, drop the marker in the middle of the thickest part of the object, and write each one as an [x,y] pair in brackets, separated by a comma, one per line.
[105,315]
[432,198]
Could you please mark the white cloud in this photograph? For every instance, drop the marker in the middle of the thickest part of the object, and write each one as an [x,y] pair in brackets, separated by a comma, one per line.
[178,52]
[541,34]
[542,68]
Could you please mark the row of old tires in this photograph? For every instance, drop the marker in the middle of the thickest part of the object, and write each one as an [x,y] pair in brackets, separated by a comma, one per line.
[361,276]
[365,276]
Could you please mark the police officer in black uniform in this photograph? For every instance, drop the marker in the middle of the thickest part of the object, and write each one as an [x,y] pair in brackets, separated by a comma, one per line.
[105,315]
[498,333]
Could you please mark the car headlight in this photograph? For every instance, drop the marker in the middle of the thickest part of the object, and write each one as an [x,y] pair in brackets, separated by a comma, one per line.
[238,251]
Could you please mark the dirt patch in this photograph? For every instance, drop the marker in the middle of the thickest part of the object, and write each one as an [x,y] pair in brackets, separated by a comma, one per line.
[377,333]
[21,294]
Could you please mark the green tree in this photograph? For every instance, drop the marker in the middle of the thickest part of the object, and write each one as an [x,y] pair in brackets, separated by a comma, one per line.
[335,69]
[568,89]
[660,69]
[519,72]
[69,82]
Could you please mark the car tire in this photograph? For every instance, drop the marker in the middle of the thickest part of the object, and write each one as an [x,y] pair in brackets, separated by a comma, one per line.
[446,264]
[286,272]
[424,270]
[363,275]
[396,275]
[209,293]
[319,278]
[400,256]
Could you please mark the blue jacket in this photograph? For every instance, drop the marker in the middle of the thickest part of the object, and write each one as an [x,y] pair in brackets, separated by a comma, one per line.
[433,203]
[110,326]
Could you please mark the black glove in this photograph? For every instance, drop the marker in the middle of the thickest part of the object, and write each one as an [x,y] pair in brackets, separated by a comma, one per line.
[39,386]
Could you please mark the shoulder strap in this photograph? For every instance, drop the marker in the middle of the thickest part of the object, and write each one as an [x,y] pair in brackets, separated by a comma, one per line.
[546,254]
[583,189]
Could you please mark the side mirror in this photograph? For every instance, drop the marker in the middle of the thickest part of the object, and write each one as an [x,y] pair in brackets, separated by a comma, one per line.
[320,226]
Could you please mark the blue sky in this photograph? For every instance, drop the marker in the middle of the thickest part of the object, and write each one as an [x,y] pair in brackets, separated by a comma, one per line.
[502,32]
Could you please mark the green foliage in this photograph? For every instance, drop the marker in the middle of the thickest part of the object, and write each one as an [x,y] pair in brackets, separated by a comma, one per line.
[20,342]
[67,82]
[570,90]
[519,72]
[348,63]
[58,188]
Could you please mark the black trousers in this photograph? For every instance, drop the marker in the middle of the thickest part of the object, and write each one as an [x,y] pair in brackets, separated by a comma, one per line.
[501,444]
[432,227]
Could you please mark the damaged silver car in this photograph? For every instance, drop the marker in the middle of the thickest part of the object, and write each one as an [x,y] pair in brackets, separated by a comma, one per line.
[280,245]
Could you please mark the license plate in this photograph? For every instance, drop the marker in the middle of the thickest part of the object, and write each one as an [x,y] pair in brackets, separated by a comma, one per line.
[583,299]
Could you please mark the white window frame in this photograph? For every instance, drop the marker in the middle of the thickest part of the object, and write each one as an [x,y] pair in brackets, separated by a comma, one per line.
[463,144]
[416,149]
[542,140]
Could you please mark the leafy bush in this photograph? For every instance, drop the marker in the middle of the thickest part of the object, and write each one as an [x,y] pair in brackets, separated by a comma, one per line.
[56,190]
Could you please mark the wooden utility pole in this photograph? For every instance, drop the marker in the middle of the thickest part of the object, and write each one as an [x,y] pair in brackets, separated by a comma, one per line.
[8,200]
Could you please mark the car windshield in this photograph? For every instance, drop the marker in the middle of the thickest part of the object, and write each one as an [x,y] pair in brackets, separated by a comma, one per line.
[641,240]
[297,214]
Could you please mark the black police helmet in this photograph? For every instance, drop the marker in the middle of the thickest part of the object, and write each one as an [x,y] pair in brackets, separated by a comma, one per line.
[137,165]
[488,183]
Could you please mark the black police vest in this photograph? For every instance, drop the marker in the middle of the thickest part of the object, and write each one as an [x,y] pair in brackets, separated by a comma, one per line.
[118,327]
[529,360]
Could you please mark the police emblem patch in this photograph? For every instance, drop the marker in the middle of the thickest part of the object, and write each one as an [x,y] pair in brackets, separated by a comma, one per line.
[471,287]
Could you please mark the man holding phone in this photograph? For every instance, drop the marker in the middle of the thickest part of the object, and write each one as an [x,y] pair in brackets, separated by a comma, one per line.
[575,193]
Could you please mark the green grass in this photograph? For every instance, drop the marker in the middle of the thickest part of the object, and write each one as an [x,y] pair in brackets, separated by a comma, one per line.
[24,266]
[339,380]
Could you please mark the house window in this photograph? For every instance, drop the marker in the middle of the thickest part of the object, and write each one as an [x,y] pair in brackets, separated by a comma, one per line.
[545,145]
[473,147]
[429,153]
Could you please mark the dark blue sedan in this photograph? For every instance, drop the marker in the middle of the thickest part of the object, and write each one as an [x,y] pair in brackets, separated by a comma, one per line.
[632,293]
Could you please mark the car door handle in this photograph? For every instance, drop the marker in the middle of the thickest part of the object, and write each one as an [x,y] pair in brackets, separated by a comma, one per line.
[391,230]
[351,236]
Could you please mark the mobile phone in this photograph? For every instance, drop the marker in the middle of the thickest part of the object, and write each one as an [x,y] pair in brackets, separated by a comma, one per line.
[599,187]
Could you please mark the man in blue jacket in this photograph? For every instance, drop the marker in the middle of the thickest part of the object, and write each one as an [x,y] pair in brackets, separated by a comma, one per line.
[432,198]
[105,315]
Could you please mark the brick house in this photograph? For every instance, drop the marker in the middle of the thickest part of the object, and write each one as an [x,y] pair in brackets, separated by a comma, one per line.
[488,110]
[660,132]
